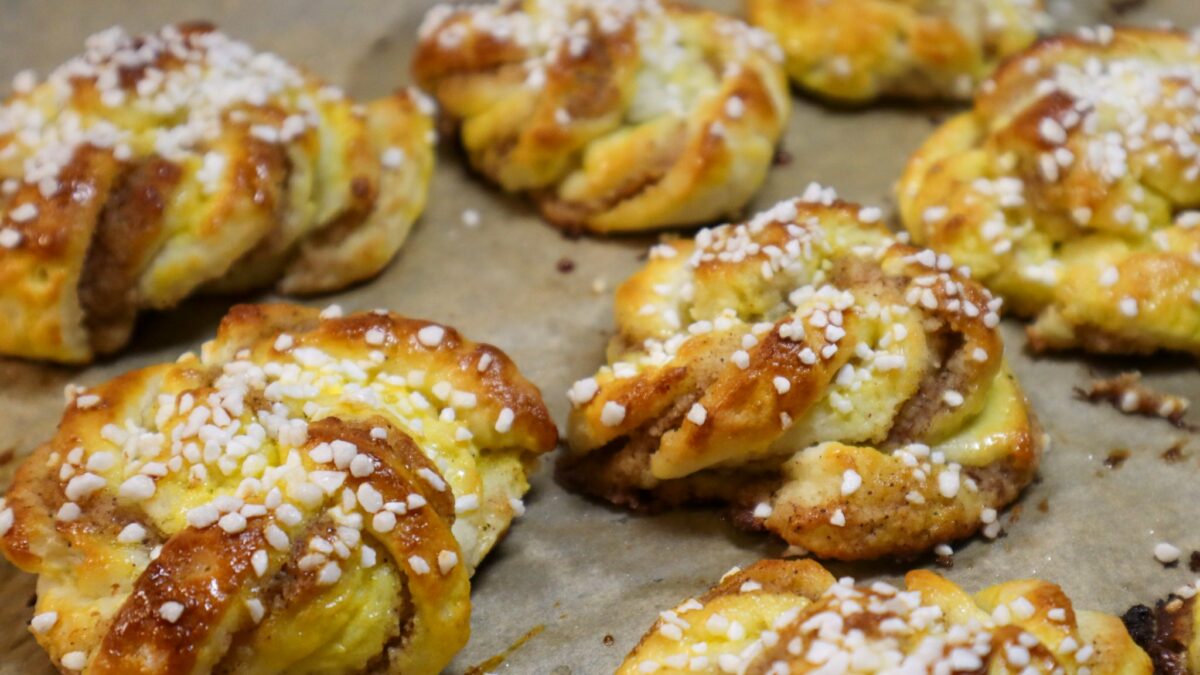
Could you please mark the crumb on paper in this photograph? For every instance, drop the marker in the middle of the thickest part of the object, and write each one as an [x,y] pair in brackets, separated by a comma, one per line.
[599,285]
[1127,394]
[1116,459]
[1174,453]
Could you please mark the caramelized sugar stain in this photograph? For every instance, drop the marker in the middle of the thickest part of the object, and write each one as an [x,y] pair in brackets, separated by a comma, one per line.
[495,661]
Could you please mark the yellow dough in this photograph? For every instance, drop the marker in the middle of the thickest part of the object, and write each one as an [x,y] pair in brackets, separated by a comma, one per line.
[1072,189]
[613,116]
[310,494]
[840,389]
[790,617]
[152,167]
[858,50]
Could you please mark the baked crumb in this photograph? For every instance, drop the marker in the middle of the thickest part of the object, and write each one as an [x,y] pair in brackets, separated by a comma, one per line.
[1127,393]
[1174,454]
[1164,630]
[1116,458]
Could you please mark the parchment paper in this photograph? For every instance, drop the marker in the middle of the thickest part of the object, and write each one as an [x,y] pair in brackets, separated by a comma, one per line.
[589,577]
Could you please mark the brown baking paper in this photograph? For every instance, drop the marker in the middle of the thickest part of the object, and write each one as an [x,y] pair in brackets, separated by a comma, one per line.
[580,579]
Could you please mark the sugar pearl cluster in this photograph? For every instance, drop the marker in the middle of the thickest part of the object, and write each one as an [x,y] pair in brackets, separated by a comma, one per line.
[553,34]
[868,629]
[1131,121]
[172,92]
[798,269]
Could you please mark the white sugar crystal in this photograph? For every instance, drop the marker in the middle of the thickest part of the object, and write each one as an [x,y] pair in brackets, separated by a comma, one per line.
[170,611]
[132,533]
[431,336]
[612,414]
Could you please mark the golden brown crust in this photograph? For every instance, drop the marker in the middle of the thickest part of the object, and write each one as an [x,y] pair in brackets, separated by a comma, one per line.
[859,50]
[200,569]
[1071,190]
[838,388]
[181,161]
[311,488]
[615,117]
[793,617]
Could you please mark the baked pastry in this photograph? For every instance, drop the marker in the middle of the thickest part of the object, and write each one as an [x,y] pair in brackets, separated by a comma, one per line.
[153,167]
[1168,632]
[1072,189]
[838,388]
[614,116]
[309,494]
[858,50]
[781,616]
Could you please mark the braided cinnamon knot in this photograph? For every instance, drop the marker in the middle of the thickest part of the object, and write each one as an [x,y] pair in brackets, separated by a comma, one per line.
[838,388]
[782,617]
[858,50]
[1072,189]
[615,116]
[309,494]
[153,167]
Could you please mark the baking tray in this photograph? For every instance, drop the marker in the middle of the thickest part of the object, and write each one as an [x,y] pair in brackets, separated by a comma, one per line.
[576,580]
